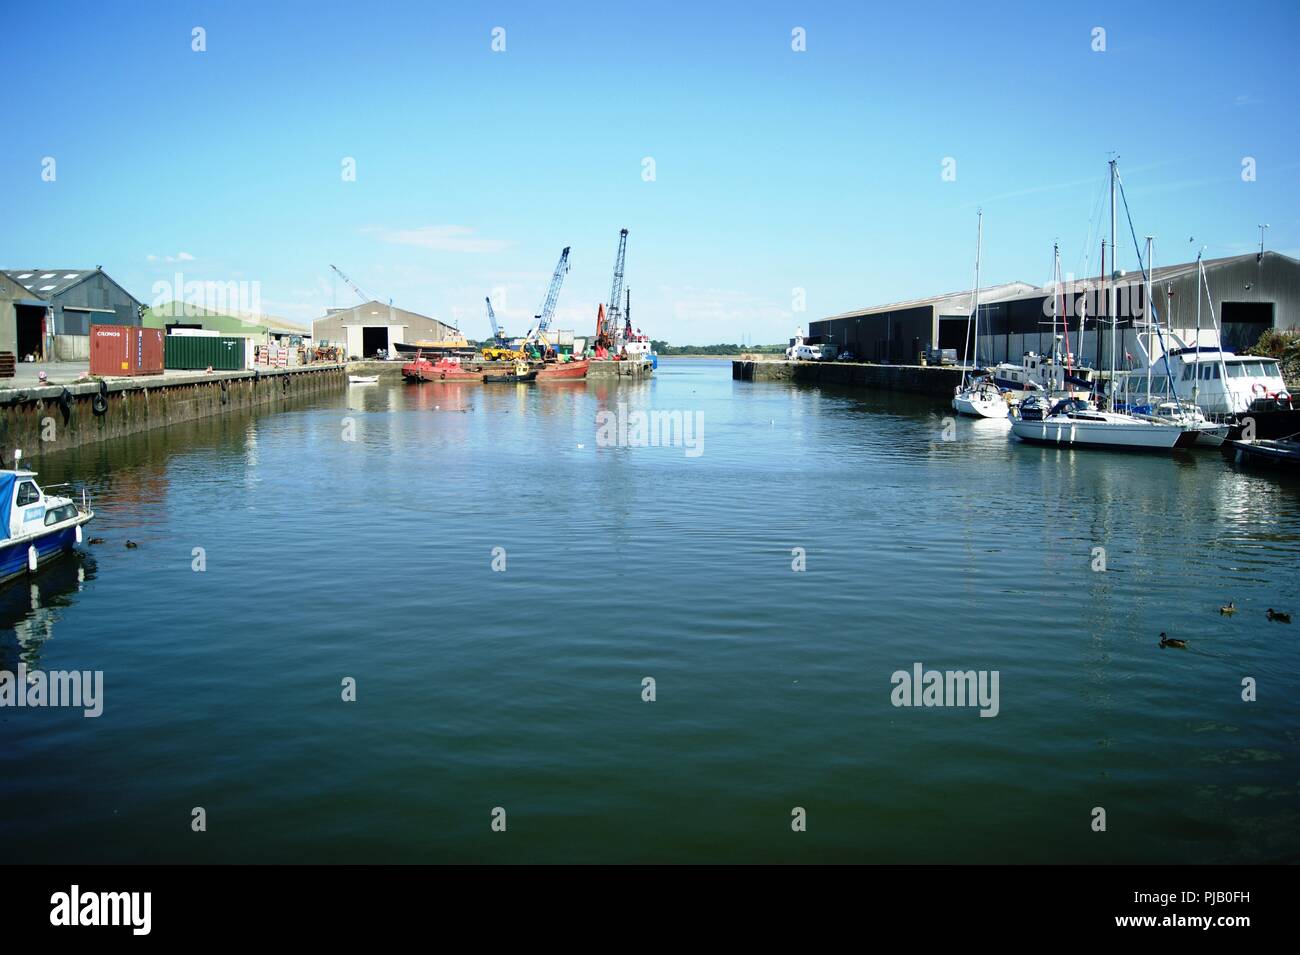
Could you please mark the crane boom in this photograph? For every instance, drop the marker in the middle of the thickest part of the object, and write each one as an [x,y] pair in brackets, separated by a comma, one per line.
[615,307]
[552,294]
[360,294]
[492,317]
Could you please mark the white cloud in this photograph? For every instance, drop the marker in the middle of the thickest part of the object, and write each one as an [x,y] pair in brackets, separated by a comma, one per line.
[170,259]
[440,238]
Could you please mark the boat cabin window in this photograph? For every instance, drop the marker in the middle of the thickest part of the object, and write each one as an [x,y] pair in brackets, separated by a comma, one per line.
[62,513]
[1237,370]
[1271,369]
[27,494]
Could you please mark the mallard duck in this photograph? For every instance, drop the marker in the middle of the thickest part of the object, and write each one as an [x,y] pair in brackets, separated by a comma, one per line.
[95,540]
[1278,615]
[1166,641]
[1228,609]
[131,545]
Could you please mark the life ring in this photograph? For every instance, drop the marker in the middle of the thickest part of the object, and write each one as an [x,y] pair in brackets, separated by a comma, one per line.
[442,376]
[1258,389]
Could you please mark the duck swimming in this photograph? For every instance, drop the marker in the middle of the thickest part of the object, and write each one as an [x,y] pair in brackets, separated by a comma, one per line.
[1278,615]
[1166,641]
[95,540]
[131,545]
[1229,609]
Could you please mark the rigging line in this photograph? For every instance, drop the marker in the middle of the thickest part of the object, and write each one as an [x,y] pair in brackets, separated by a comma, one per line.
[1146,276]
[1086,255]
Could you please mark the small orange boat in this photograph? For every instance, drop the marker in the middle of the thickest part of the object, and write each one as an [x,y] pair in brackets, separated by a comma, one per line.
[563,371]
[446,368]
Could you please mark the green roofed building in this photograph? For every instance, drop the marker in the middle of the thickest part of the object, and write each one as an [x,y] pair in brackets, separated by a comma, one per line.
[261,327]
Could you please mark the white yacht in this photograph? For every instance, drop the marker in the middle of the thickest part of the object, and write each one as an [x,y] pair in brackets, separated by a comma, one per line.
[978,395]
[1073,422]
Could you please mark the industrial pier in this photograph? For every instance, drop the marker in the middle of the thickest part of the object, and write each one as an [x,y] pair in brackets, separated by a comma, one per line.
[54,417]
[919,379]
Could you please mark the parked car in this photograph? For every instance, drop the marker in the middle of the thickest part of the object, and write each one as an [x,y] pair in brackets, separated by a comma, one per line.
[847,355]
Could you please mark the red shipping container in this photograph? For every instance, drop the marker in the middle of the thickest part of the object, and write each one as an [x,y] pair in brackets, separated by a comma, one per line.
[125,350]
[110,350]
[147,351]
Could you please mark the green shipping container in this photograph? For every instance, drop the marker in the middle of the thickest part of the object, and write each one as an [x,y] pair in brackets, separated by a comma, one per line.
[198,352]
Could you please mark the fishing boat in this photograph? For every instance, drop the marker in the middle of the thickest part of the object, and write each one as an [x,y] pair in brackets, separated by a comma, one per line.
[446,368]
[1042,373]
[1283,453]
[563,371]
[35,527]
[363,379]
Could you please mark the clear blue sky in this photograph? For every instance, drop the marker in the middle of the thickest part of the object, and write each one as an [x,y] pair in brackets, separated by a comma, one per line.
[775,169]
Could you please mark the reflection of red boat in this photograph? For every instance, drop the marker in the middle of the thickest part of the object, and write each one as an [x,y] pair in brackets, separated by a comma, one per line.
[563,371]
[444,369]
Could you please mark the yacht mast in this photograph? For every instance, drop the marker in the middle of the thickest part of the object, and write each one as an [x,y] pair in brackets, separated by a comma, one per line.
[1114,261]
[1150,318]
[1196,362]
[979,247]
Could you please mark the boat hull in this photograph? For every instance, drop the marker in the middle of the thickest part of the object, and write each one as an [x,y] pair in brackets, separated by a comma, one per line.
[563,371]
[434,348]
[511,379]
[1089,434]
[13,554]
[976,407]
[1283,454]
[418,371]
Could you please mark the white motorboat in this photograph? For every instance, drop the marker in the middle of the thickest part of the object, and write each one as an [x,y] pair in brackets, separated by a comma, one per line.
[35,526]
[363,379]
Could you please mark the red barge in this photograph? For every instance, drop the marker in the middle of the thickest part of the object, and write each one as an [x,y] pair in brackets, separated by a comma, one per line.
[563,371]
[444,369]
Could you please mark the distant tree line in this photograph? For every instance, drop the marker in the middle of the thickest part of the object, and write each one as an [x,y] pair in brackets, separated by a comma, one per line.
[663,348]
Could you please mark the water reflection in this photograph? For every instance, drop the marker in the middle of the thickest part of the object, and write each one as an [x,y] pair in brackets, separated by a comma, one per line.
[31,607]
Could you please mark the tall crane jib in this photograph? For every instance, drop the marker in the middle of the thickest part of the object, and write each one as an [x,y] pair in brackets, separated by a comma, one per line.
[553,293]
[614,308]
[492,317]
[360,294]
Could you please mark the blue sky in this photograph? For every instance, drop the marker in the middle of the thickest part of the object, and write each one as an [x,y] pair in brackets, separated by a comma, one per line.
[775,170]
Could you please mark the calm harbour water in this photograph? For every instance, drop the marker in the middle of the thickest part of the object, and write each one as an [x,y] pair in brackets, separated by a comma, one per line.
[521,689]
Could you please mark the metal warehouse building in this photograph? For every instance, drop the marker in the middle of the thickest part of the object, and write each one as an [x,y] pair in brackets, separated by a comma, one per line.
[52,315]
[1249,294]
[365,329]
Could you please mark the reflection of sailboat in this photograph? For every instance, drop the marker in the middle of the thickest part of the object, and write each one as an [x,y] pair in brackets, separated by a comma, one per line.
[30,611]
[978,396]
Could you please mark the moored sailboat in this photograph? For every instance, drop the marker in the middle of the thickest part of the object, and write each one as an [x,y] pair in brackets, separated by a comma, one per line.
[1076,423]
[978,396]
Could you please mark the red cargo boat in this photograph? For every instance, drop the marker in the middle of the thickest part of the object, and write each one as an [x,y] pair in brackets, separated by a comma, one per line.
[444,369]
[563,371]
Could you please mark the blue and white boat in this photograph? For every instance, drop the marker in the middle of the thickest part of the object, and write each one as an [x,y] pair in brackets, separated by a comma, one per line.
[35,527]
